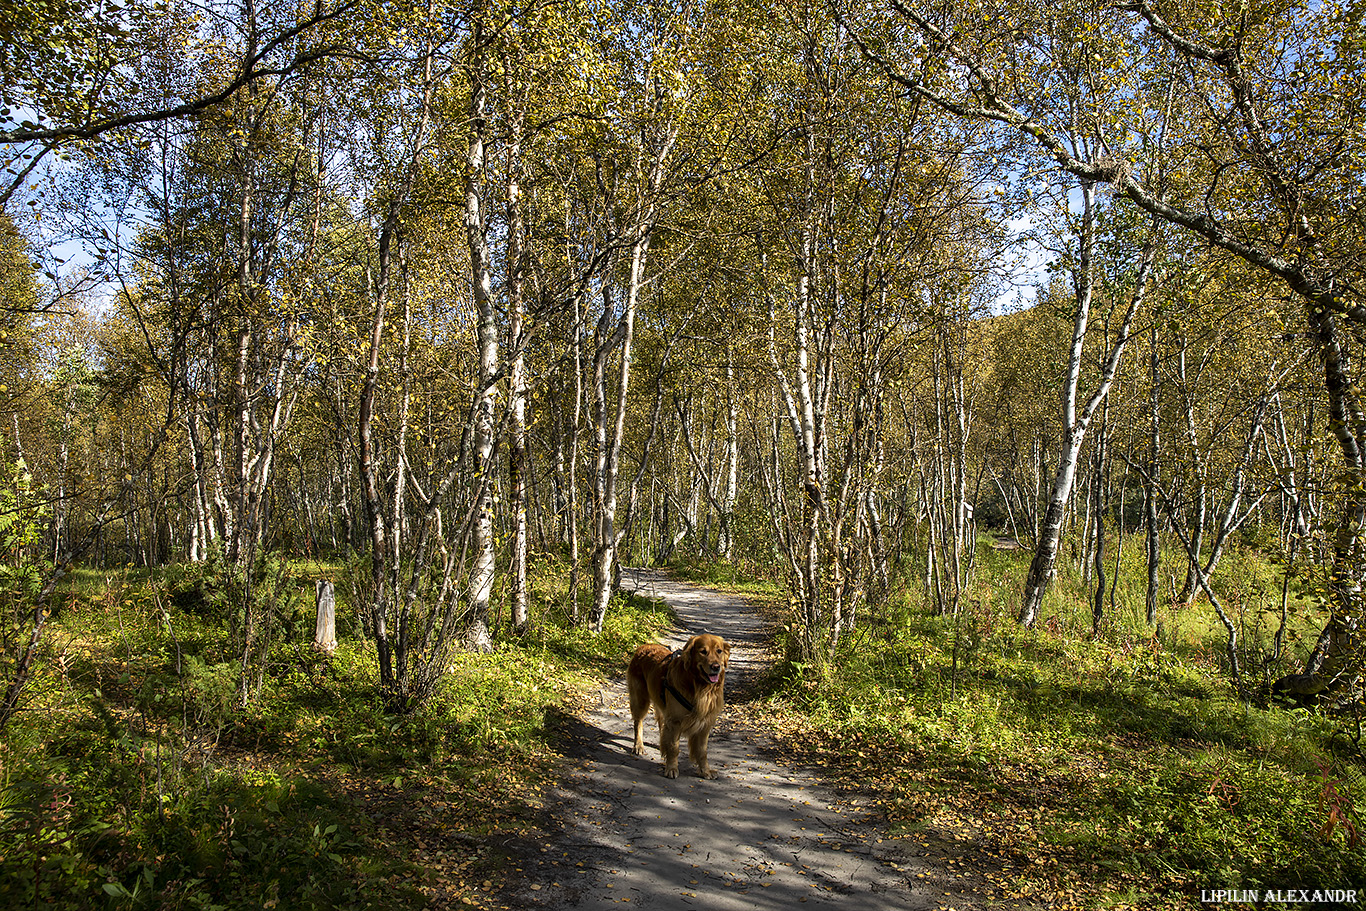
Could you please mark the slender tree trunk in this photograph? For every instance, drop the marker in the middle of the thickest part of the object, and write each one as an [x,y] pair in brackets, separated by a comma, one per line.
[518,465]
[386,529]
[1335,663]
[732,462]
[398,513]
[203,536]
[572,480]
[1044,565]
[801,399]
[1088,540]
[1151,480]
[609,456]
[609,461]
[486,400]
[877,544]
[371,485]
[242,395]
[559,470]
[1197,535]
[1098,485]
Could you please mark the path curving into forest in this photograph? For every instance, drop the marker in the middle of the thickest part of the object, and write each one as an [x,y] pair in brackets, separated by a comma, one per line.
[763,835]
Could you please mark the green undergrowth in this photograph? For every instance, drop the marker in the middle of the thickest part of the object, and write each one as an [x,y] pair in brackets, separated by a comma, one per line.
[136,777]
[1111,772]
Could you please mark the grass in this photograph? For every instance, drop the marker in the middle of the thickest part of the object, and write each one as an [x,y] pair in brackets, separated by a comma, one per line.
[135,778]
[1110,772]
[1051,769]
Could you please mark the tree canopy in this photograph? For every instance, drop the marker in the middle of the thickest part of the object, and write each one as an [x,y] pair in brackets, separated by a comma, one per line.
[447,286]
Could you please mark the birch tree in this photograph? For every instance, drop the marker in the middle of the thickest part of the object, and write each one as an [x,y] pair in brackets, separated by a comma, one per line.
[660,79]
[487,330]
[876,223]
[1077,415]
[1246,88]
[74,68]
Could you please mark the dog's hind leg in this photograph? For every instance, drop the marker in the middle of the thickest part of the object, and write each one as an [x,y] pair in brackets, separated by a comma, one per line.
[640,707]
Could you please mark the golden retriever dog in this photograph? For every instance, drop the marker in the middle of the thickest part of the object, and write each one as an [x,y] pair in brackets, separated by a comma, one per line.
[686,688]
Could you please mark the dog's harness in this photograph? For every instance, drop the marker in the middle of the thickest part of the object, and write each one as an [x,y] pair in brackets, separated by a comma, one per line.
[682,700]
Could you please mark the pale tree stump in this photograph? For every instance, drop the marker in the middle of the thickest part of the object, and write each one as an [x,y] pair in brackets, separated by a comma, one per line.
[325,635]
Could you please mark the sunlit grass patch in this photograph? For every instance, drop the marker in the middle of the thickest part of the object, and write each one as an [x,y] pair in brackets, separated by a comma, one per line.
[1122,769]
[138,777]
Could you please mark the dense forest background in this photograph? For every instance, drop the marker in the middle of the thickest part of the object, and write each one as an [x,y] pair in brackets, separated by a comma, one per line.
[804,287]
[463,299]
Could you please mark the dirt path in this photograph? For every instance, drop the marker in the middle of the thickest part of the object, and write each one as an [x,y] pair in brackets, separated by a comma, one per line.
[762,835]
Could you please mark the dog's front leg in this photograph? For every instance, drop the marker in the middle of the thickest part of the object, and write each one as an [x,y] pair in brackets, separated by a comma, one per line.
[668,747]
[697,752]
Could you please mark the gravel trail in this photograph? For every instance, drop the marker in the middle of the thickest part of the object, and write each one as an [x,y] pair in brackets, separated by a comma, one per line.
[763,835]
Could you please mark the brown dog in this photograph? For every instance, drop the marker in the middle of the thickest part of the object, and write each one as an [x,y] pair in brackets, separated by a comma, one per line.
[687,691]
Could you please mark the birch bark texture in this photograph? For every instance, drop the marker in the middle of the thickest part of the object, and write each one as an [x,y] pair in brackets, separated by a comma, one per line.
[487,330]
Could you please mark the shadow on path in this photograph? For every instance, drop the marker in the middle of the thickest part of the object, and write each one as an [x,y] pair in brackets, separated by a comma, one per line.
[763,835]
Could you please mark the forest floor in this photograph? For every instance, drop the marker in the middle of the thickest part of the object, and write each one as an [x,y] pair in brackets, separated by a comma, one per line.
[766,833]
[963,764]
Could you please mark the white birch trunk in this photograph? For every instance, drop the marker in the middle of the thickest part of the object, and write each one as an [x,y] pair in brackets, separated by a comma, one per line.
[609,461]
[517,451]
[486,396]
[609,455]
[732,462]
[1044,565]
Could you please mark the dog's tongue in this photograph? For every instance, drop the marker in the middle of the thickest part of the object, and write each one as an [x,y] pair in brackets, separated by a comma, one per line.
[713,677]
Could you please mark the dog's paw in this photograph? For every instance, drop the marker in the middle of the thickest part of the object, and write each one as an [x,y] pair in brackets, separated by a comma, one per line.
[639,750]
[708,773]
[671,773]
